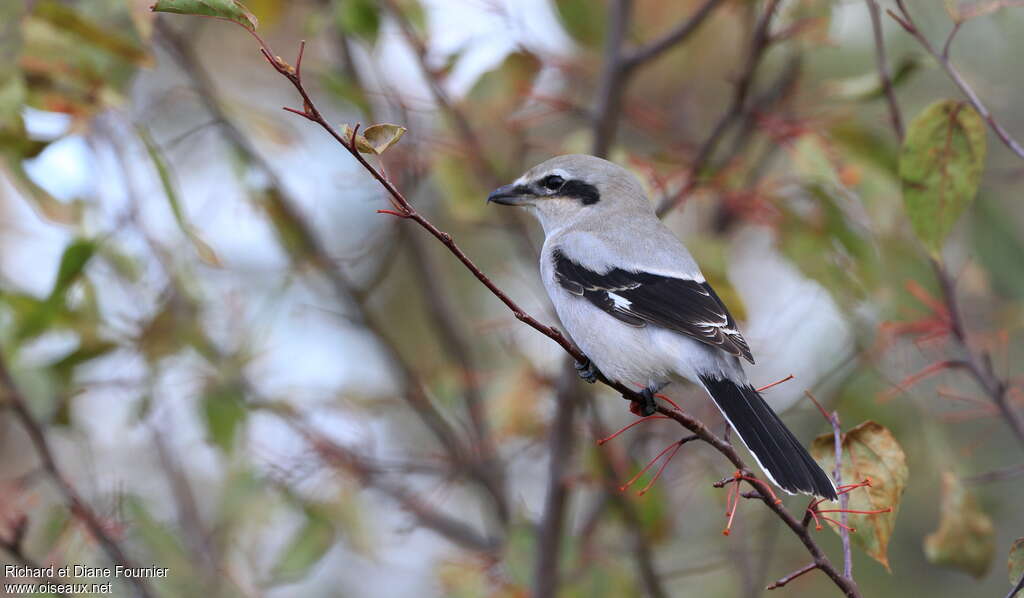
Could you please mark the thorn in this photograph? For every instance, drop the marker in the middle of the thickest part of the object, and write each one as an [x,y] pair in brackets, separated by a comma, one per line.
[624,428]
[776,383]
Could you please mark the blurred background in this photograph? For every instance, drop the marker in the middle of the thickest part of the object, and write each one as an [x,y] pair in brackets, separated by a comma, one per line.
[252,378]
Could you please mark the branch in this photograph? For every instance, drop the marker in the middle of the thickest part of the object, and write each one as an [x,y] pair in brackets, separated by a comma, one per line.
[285,206]
[552,523]
[371,476]
[883,69]
[406,210]
[759,44]
[642,551]
[619,66]
[79,509]
[979,365]
[788,578]
[677,35]
[908,24]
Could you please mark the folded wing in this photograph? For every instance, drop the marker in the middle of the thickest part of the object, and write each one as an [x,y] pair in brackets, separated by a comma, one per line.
[642,298]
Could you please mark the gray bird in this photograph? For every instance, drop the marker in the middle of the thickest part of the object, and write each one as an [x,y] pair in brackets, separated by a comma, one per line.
[634,300]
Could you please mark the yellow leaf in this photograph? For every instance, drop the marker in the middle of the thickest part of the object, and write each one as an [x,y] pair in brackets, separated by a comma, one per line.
[965,539]
[869,451]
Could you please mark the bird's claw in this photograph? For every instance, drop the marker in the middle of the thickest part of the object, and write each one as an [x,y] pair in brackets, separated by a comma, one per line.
[587,371]
[645,407]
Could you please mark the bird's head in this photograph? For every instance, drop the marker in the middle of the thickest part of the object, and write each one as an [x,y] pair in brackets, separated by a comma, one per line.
[575,188]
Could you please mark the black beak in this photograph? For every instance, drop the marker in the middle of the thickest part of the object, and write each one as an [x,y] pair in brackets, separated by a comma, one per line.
[509,195]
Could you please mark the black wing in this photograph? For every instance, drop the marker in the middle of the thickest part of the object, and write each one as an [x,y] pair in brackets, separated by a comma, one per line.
[641,298]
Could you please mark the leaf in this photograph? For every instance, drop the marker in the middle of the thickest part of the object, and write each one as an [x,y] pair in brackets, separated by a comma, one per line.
[232,10]
[305,549]
[965,539]
[869,451]
[1015,562]
[224,413]
[69,20]
[965,11]
[382,136]
[375,139]
[584,20]
[940,168]
[359,17]
[163,169]
[72,262]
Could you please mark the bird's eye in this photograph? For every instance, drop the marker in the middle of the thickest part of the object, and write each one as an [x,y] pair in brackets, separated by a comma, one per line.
[552,182]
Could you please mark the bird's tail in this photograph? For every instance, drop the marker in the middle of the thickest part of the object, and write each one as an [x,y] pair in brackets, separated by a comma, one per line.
[780,455]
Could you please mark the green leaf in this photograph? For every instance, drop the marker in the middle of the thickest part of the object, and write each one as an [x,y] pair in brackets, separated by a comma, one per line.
[224,414]
[965,539]
[163,169]
[360,18]
[584,20]
[1015,562]
[232,10]
[869,451]
[940,168]
[72,263]
[305,549]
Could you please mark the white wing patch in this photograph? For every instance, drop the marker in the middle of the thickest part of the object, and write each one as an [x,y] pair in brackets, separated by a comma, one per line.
[620,301]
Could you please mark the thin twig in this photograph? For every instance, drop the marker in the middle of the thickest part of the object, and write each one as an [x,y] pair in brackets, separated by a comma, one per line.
[908,24]
[784,580]
[979,365]
[844,499]
[997,475]
[884,72]
[371,476]
[79,508]
[759,44]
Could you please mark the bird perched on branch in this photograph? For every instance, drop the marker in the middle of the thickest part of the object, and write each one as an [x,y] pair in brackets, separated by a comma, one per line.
[634,300]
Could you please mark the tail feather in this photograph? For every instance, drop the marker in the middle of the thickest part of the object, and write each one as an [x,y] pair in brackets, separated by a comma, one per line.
[784,460]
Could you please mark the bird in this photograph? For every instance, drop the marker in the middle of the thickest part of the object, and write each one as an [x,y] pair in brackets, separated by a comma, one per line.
[635,302]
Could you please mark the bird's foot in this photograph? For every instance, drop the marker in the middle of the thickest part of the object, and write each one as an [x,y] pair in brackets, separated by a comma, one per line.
[587,371]
[646,406]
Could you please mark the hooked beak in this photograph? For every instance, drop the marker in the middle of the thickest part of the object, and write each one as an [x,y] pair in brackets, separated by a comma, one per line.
[508,195]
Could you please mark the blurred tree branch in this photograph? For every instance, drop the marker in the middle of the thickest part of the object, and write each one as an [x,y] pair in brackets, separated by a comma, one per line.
[760,42]
[13,398]
[979,365]
[286,208]
[907,22]
[884,72]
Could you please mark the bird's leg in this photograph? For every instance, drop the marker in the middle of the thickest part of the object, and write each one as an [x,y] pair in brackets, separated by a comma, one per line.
[587,371]
[647,406]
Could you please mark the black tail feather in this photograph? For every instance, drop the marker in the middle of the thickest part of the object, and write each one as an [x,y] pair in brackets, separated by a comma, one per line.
[777,451]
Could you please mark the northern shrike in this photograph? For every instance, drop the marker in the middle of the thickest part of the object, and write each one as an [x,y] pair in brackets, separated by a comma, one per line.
[633,299]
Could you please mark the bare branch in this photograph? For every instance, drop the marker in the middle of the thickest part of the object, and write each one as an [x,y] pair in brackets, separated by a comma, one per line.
[759,44]
[884,73]
[371,476]
[979,365]
[788,578]
[677,35]
[907,22]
